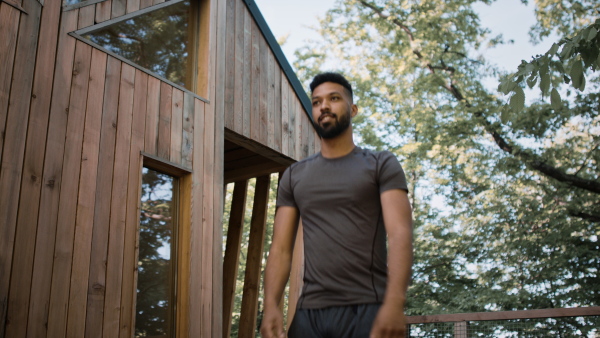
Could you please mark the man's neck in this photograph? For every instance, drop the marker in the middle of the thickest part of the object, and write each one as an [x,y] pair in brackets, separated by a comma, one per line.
[338,146]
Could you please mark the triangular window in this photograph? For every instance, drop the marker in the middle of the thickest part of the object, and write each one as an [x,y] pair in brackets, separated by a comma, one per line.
[161,39]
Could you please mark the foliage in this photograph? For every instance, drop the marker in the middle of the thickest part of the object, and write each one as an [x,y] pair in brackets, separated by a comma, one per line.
[506,198]
[578,54]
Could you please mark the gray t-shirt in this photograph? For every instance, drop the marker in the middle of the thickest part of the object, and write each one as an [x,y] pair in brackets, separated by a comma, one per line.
[344,235]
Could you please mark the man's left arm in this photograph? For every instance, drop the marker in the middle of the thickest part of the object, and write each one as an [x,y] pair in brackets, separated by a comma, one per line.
[397,216]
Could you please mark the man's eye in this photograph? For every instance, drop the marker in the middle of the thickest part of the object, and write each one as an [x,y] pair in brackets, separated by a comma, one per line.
[315,103]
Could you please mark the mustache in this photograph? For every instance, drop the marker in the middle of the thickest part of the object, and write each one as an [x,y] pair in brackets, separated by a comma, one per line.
[334,116]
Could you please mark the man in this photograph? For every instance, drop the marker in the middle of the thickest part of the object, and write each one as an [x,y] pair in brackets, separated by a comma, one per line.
[349,199]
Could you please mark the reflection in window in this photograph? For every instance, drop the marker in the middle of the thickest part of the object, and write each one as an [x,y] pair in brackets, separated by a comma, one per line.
[161,41]
[156,266]
[79,3]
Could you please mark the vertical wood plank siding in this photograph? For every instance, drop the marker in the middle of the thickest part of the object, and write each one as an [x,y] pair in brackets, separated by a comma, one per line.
[268,110]
[74,127]
[12,228]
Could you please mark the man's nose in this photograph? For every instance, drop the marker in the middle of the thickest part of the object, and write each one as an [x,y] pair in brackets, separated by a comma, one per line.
[325,106]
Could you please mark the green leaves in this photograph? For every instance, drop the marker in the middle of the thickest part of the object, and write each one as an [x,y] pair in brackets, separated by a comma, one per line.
[517,101]
[566,62]
[555,100]
[577,75]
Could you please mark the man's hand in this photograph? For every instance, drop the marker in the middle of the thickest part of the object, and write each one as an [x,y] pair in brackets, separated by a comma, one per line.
[390,322]
[272,324]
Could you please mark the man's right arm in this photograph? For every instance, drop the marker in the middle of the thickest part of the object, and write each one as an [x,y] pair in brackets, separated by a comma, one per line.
[278,269]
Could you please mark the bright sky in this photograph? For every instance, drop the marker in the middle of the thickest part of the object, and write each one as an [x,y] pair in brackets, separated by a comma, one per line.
[509,17]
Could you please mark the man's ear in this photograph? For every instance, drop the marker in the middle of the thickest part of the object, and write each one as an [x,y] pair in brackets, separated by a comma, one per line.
[354,110]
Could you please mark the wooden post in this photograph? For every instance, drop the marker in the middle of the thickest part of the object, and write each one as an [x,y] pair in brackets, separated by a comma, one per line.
[254,258]
[232,251]
[460,329]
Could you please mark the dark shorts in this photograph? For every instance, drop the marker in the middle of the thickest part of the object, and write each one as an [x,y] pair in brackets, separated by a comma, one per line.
[352,321]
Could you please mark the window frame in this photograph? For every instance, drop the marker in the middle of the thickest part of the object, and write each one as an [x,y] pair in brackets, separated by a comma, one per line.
[196,55]
[180,257]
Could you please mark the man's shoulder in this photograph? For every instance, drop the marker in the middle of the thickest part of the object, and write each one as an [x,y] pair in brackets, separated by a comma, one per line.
[377,154]
[303,162]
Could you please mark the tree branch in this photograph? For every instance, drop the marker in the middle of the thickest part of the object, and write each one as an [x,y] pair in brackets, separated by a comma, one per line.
[531,160]
[585,216]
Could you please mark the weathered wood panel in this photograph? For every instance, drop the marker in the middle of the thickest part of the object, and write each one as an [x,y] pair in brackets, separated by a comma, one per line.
[134,180]
[247,77]
[99,246]
[86,16]
[103,10]
[187,141]
[164,121]
[118,8]
[52,181]
[9,26]
[176,126]
[34,162]
[61,273]
[196,241]
[269,111]
[152,116]
[86,199]
[11,230]
[237,114]
[285,115]
[230,61]
[118,209]
[217,271]
[270,114]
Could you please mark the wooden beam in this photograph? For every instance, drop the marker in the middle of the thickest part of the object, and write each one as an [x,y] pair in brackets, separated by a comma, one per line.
[254,258]
[258,148]
[506,315]
[252,171]
[232,251]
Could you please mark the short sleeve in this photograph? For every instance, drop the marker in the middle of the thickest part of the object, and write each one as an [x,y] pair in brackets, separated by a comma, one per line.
[285,194]
[390,173]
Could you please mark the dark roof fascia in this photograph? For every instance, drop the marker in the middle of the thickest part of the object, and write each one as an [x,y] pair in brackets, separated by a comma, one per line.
[281,59]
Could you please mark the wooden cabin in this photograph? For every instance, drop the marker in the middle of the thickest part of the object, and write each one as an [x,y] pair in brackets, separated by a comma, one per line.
[121,121]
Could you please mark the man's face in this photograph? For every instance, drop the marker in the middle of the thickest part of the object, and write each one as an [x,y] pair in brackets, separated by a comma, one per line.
[332,109]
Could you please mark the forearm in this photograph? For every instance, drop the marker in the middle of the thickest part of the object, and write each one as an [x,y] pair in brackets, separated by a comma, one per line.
[277,274]
[400,258]
[397,214]
[279,262]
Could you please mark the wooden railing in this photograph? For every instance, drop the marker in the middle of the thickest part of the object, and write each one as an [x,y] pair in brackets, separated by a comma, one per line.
[461,320]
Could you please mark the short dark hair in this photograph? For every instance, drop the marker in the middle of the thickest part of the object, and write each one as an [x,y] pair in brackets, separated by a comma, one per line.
[331,77]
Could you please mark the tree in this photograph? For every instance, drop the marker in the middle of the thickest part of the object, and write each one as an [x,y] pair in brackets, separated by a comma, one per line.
[518,228]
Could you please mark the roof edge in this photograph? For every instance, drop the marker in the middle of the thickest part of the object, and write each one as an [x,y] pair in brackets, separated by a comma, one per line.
[281,59]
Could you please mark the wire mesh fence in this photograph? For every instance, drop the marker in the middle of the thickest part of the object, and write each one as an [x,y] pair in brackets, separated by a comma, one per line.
[563,327]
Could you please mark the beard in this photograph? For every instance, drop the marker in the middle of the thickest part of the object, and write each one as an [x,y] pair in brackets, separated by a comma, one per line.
[334,129]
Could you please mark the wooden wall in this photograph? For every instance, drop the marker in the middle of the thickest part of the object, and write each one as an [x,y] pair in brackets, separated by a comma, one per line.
[270,112]
[74,124]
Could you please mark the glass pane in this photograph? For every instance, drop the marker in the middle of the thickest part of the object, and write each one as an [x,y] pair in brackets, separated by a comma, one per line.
[155,289]
[160,41]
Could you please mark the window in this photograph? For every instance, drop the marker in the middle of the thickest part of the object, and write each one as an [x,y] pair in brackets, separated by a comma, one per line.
[157,264]
[161,39]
